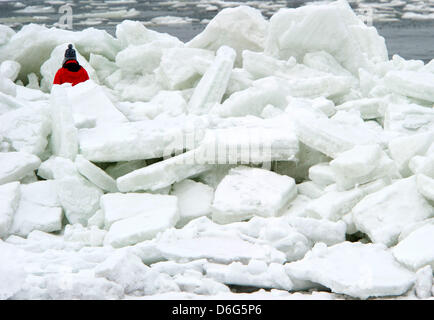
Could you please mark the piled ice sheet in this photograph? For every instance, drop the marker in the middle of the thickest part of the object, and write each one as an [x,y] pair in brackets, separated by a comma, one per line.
[245,192]
[286,154]
[354,269]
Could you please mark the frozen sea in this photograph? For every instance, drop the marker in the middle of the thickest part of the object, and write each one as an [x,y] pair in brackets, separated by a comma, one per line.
[408,26]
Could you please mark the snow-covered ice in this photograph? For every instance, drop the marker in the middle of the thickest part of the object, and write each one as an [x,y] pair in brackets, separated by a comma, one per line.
[355,269]
[383,214]
[288,154]
[16,165]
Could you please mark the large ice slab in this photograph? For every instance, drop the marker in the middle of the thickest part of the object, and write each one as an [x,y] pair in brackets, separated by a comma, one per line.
[179,67]
[263,142]
[362,164]
[9,200]
[369,108]
[256,274]
[335,135]
[118,206]
[240,28]
[95,174]
[57,168]
[416,250]
[405,118]
[402,149]
[89,101]
[162,174]
[151,139]
[246,192]
[295,32]
[135,33]
[212,85]
[261,65]
[411,83]
[333,205]
[317,230]
[382,215]
[16,165]
[221,249]
[164,103]
[43,193]
[26,128]
[78,197]
[64,142]
[194,200]
[51,65]
[355,269]
[32,216]
[149,215]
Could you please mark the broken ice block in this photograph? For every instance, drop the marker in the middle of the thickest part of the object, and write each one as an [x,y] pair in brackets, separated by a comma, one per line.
[26,128]
[411,83]
[355,269]
[151,139]
[88,100]
[9,200]
[416,250]
[95,174]
[212,85]
[118,206]
[240,28]
[402,149]
[194,200]
[31,216]
[382,215]
[246,192]
[16,165]
[332,136]
[150,219]
[360,165]
[78,197]
[162,174]
[64,142]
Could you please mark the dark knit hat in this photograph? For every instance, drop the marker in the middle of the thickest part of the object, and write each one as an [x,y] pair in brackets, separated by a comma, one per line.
[69,54]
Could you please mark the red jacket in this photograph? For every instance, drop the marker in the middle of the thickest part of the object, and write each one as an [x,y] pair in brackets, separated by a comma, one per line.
[71,72]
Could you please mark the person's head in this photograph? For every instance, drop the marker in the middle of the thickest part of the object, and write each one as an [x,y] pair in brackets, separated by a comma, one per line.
[69,54]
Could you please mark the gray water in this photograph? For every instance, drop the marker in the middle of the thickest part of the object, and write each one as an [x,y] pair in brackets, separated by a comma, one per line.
[407,26]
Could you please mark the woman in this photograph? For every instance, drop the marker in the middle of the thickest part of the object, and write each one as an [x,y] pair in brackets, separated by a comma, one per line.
[71,70]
